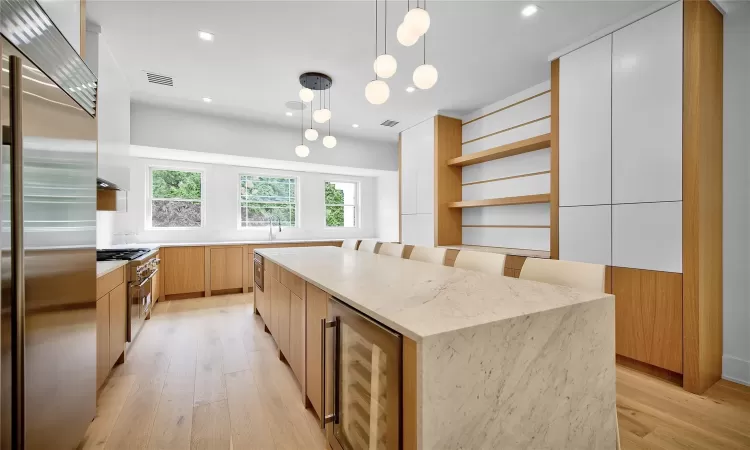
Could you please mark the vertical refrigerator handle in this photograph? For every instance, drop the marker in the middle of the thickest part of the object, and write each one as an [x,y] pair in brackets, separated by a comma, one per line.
[324,419]
[17,280]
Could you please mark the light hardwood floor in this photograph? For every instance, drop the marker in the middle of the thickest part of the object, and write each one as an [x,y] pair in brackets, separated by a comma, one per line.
[204,375]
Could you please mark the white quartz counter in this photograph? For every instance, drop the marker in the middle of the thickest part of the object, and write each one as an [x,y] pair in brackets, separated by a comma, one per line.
[420,299]
[210,243]
[105,267]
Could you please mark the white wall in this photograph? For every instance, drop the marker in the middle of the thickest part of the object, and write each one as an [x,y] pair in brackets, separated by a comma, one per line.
[386,205]
[66,14]
[221,184]
[737,193]
[157,126]
[478,136]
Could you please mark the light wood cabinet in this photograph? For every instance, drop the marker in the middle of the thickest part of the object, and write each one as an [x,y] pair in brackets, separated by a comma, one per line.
[259,297]
[156,286]
[102,340]
[225,268]
[118,310]
[273,310]
[184,270]
[316,310]
[297,337]
[282,317]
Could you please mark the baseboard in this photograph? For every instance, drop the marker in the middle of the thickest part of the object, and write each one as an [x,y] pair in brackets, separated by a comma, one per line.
[736,370]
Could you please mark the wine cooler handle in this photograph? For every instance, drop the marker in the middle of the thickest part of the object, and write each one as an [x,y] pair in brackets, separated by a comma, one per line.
[324,419]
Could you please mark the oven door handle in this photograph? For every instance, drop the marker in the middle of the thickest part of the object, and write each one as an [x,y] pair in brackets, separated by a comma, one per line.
[146,280]
[324,419]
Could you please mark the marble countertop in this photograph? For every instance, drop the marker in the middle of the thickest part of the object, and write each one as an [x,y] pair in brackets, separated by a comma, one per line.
[419,299]
[154,245]
[105,267]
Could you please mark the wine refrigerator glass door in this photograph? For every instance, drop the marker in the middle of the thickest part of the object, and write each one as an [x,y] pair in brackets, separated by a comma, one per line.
[366,379]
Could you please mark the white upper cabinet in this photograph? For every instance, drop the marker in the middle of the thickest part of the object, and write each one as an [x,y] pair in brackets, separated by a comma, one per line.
[586,234]
[418,168]
[647,109]
[647,236]
[585,125]
[418,229]
[66,15]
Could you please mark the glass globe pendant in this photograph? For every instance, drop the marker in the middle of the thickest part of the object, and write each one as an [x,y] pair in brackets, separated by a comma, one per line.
[425,76]
[322,115]
[306,95]
[385,66]
[329,141]
[311,134]
[405,36]
[377,92]
[417,21]
[302,151]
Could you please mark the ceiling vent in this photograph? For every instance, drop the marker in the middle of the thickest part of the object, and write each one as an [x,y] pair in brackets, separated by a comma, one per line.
[389,123]
[156,78]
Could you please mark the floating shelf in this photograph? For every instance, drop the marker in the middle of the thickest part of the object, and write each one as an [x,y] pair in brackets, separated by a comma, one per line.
[520,200]
[503,151]
[544,254]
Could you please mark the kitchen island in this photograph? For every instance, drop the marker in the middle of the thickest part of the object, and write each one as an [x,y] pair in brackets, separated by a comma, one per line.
[488,361]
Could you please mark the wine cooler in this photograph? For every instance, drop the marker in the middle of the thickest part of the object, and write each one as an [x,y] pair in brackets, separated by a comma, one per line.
[361,381]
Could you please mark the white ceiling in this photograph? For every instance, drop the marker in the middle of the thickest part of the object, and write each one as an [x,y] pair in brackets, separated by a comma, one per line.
[483,50]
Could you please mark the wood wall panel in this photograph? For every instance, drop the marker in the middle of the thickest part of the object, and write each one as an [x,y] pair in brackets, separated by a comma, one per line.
[702,193]
[648,311]
[554,198]
[447,181]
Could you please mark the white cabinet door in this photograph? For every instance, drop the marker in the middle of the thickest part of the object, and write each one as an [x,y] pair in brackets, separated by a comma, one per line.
[408,176]
[585,125]
[647,109]
[418,229]
[586,234]
[647,236]
[424,141]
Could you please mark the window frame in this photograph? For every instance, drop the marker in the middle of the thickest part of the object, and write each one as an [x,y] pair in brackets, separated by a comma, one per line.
[149,197]
[357,209]
[267,175]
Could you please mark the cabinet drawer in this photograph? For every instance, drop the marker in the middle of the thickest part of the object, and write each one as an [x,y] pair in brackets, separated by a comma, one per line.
[294,283]
[107,282]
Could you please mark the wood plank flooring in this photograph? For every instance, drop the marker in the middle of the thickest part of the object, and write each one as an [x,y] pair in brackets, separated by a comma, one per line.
[204,375]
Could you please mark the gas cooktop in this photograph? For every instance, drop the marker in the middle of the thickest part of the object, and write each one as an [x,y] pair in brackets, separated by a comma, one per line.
[128,254]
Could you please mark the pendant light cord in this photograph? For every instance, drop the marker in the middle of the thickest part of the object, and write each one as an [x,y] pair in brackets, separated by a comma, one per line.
[376,36]
[385,29]
[329,108]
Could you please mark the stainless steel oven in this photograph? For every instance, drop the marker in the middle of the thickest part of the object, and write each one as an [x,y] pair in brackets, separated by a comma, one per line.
[139,293]
[361,381]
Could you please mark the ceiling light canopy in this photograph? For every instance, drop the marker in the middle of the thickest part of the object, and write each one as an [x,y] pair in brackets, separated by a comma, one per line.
[377,92]
[417,21]
[529,10]
[206,36]
[385,66]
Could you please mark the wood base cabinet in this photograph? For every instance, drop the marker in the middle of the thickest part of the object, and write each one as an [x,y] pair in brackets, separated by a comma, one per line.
[317,310]
[111,325]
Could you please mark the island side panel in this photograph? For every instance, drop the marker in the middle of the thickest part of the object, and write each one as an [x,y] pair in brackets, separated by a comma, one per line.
[409,393]
[545,380]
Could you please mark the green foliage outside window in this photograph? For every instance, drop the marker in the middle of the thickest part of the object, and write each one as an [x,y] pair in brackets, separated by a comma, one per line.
[334,214]
[176,200]
[264,199]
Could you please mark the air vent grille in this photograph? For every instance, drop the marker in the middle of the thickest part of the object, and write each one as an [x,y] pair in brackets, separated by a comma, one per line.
[156,78]
[389,123]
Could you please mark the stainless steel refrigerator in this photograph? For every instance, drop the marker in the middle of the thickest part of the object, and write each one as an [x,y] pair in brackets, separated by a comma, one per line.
[48,234]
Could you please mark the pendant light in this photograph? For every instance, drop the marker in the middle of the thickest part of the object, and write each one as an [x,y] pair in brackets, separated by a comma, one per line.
[329,141]
[311,134]
[417,20]
[302,150]
[385,65]
[377,91]
[426,75]
[322,115]
[306,95]
[405,35]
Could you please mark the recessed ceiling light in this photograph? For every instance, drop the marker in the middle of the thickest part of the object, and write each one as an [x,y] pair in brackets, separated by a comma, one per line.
[207,99]
[205,35]
[529,10]
[289,114]
[410,89]
[354,125]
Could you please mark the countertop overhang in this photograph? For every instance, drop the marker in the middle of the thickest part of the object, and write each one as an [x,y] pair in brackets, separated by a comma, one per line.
[105,267]
[419,299]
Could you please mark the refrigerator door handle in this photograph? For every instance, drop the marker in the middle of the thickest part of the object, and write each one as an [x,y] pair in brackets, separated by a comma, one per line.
[17,281]
[324,419]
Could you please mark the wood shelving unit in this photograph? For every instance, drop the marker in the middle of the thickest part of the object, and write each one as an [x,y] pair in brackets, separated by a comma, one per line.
[503,151]
[520,200]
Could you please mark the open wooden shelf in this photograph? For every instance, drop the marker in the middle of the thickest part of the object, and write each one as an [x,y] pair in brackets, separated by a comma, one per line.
[503,151]
[520,200]
[544,254]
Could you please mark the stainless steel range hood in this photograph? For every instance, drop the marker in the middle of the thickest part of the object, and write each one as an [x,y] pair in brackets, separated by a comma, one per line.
[103,184]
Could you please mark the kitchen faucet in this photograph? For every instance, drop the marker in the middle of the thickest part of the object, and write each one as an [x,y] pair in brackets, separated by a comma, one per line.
[270,228]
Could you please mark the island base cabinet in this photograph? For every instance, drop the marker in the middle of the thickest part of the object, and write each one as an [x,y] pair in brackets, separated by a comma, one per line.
[118,310]
[317,310]
[296,354]
[102,340]
[281,308]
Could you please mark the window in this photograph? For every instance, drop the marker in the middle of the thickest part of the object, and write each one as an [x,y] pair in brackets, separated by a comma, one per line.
[176,198]
[341,204]
[268,198]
